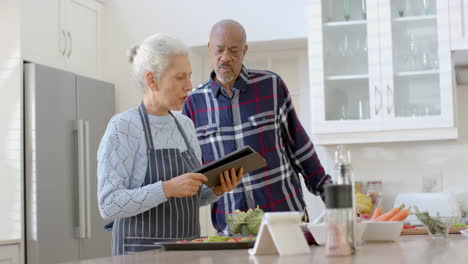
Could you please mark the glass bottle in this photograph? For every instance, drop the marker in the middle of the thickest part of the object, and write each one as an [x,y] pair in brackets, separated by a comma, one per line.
[343,176]
[343,170]
[339,220]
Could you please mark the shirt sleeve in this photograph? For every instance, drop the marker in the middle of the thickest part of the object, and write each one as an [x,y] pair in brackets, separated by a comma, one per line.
[300,149]
[116,159]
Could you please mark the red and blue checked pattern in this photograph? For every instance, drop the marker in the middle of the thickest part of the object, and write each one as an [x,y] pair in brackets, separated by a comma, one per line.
[259,114]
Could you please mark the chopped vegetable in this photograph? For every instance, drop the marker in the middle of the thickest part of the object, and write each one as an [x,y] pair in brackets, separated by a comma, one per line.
[217,238]
[459,224]
[245,223]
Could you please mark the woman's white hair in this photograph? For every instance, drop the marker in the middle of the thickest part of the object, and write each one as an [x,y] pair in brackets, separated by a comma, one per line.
[153,55]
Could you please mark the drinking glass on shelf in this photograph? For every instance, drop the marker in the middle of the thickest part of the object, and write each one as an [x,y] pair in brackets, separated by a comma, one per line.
[363,9]
[330,11]
[347,9]
[400,6]
[428,7]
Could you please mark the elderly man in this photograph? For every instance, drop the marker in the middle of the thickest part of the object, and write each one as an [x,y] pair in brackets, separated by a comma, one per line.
[238,107]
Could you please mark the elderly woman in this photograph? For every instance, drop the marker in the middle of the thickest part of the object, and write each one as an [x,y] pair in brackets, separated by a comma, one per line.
[148,154]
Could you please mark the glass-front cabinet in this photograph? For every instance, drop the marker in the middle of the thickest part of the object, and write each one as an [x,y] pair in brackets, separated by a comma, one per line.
[381,67]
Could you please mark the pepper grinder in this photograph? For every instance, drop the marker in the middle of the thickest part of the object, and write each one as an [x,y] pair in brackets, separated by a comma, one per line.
[339,220]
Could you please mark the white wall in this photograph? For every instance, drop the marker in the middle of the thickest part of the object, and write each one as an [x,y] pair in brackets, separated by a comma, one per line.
[399,165]
[128,22]
[10,124]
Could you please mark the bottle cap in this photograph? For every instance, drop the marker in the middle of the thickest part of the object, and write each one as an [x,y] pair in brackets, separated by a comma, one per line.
[338,196]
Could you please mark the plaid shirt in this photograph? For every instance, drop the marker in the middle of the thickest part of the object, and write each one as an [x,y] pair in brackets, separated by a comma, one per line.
[259,114]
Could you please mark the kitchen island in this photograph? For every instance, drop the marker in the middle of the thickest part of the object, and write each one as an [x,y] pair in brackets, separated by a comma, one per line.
[409,249]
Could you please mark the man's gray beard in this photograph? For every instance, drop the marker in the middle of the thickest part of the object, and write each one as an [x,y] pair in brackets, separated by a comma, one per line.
[225,79]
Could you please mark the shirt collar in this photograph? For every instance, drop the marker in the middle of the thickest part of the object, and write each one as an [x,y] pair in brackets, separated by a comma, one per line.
[240,83]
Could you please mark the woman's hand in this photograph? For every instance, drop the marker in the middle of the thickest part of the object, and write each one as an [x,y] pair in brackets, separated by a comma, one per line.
[184,185]
[228,182]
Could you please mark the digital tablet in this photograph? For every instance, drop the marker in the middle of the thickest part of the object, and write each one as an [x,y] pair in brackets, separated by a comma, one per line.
[245,157]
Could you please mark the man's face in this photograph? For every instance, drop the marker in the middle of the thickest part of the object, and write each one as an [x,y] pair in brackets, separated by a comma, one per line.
[226,49]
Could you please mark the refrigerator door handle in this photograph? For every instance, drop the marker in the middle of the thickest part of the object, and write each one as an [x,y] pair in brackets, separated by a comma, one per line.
[88,181]
[82,181]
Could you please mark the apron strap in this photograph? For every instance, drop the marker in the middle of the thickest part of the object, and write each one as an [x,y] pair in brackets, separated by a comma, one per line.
[179,127]
[146,128]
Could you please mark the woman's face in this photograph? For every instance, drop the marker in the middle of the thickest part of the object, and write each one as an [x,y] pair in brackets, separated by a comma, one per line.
[175,84]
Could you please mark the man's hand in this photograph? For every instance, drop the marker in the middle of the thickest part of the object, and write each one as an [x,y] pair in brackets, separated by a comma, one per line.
[228,182]
[184,185]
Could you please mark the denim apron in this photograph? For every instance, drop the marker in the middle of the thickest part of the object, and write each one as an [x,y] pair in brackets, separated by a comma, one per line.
[175,219]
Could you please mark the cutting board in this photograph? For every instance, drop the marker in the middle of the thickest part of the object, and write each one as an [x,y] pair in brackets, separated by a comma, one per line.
[423,231]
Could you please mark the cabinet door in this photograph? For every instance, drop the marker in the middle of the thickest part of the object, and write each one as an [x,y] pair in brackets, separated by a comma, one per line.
[344,66]
[42,40]
[9,254]
[81,19]
[458,24]
[416,64]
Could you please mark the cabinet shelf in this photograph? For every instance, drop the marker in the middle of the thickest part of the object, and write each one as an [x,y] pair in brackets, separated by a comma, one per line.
[345,23]
[346,77]
[417,73]
[415,18]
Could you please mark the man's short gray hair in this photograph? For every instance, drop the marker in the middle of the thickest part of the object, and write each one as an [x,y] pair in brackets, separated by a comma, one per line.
[153,55]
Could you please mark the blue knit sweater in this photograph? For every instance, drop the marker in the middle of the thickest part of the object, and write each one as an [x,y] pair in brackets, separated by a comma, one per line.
[122,163]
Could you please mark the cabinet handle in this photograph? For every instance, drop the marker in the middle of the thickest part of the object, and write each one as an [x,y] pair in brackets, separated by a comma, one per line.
[71,44]
[64,46]
[377,106]
[81,181]
[84,216]
[390,102]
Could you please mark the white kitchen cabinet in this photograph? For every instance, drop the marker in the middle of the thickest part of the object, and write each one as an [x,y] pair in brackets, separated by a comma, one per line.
[459,24]
[380,71]
[9,254]
[63,34]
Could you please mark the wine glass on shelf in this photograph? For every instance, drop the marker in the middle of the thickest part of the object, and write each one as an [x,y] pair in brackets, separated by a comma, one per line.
[411,62]
[344,50]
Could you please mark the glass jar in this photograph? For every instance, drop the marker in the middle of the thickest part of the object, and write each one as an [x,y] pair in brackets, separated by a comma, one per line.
[374,191]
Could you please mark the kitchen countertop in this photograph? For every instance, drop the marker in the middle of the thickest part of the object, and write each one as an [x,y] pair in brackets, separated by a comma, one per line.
[409,249]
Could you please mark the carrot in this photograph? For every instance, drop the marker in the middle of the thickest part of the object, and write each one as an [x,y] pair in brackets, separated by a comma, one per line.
[390,214]
[401,215]
[377,212]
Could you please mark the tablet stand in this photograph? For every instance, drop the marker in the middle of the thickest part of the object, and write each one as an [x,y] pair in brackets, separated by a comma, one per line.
[280,233]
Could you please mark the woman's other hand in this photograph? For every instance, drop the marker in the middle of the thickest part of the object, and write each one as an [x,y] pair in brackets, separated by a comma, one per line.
[228,182]
[184,185]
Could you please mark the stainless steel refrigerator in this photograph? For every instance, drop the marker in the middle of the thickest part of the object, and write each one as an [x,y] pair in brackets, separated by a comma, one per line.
[65,118]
